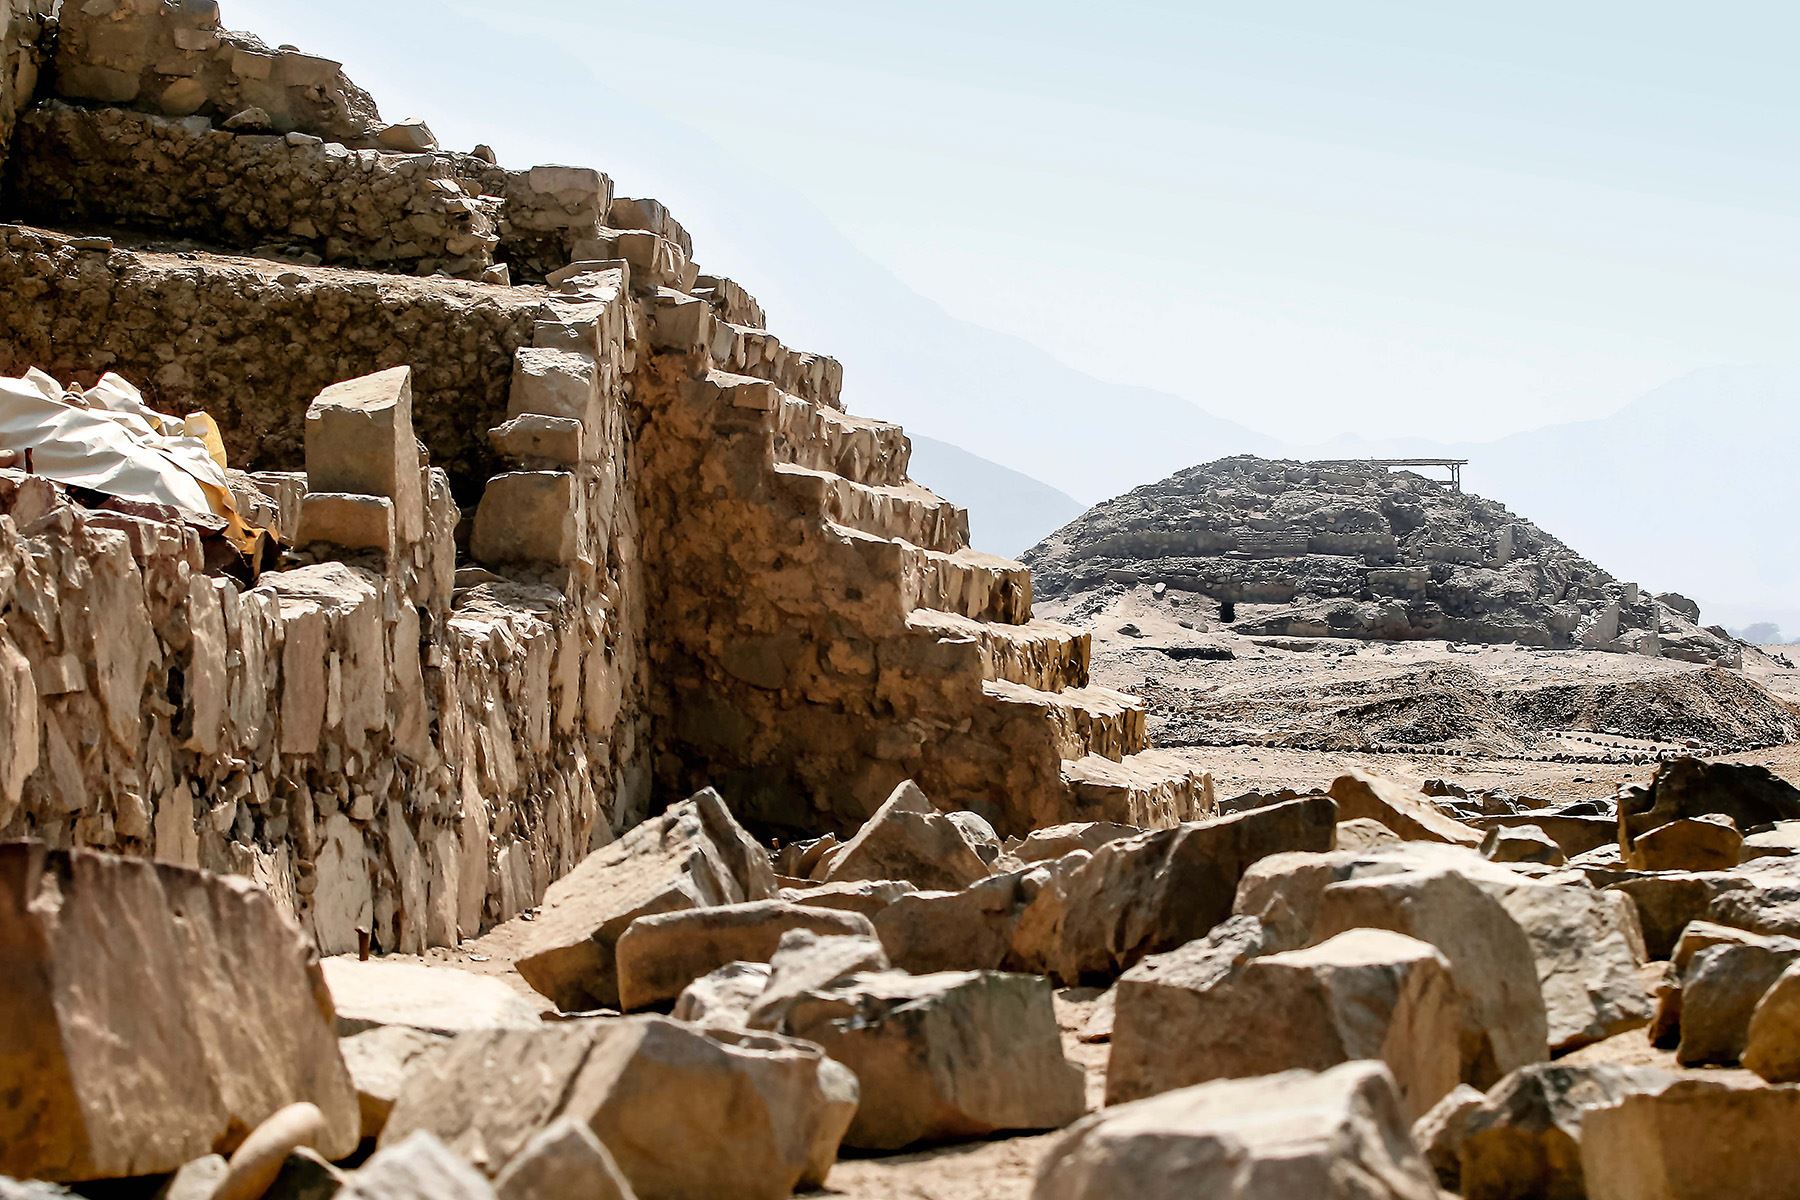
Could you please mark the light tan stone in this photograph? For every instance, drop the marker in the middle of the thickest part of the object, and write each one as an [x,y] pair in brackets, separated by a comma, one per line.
[378,1060]
[563,1162]
[660,954]
[1400,806]
[1337,1135]
[1693,1139]
[1215,1010]
[359,439]
[435,999]
[254,1165]
[955,1054]
[909,839]
[219,1011]
[685,1112]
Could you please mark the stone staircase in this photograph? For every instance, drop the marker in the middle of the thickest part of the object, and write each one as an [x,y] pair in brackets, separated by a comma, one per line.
[998,709]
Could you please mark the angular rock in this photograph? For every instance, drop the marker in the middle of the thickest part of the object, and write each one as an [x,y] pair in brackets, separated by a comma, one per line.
[1362,834]
[1211,1011]
[685,1112]
[1403,809]
[1521,844]
[722,998]
[1337,1135]
[1720,989]
[869,897]
[1525,1139]
[693,855]
[967,930]
[1054,841]
[419,1167]
[908,839]
[564,1161]
[441,1000]
[379,1060]
[1439,1134]
[217,1012]
[660,954]
[1665,1026]
[1156,891]
[1772,1048]
[1708,843]
[955,1054]
[1693,1139]
[359,440]
[805,963]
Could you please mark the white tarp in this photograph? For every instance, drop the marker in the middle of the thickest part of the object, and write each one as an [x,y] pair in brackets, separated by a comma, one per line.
[116,445]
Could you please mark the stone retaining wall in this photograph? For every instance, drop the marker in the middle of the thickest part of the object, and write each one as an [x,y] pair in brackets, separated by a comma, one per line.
[114,168]
[384,747]
[254,341]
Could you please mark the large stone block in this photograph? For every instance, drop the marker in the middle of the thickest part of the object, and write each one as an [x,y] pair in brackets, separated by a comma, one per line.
[956,1054]
[530,517]
[359,439]
[152,1014]
[907,838]
[1158,890]
[348,521]
[1693,1140]
[692,855]
[1337,1135]
[556,383]
[687,1113]
[1207,1011]
[660,954]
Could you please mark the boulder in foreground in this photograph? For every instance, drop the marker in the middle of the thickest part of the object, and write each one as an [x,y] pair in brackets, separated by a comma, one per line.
[152,1014]
[1337,1135]
[687,1113]
[1205,1012]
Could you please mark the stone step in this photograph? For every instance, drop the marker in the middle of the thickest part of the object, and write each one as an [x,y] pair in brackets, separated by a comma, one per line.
[745,351]
[981,586]
[824,439]
[1152,789]
[1081,721]
[904,512]
[730,301]
[1038,654]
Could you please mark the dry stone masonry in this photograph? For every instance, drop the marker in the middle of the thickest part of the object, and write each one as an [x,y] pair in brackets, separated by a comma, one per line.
[570,757]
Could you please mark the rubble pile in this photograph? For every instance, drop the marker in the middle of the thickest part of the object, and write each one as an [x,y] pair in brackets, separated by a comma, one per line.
[535,743]
[1356,550]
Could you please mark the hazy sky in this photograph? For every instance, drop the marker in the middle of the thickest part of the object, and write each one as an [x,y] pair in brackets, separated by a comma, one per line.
[1315,216]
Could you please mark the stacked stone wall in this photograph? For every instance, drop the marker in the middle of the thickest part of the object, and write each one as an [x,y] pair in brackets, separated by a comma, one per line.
[175,58]
[111,168]
[252,341]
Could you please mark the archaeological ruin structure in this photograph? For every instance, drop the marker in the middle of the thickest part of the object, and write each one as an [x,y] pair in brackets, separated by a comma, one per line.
[565,532]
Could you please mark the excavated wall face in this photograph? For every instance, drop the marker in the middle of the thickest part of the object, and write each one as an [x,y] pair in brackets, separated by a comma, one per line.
[384,745]
[22,25]
[253,341]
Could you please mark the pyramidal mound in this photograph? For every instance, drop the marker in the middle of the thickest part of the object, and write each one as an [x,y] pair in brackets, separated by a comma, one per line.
[1360,549]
